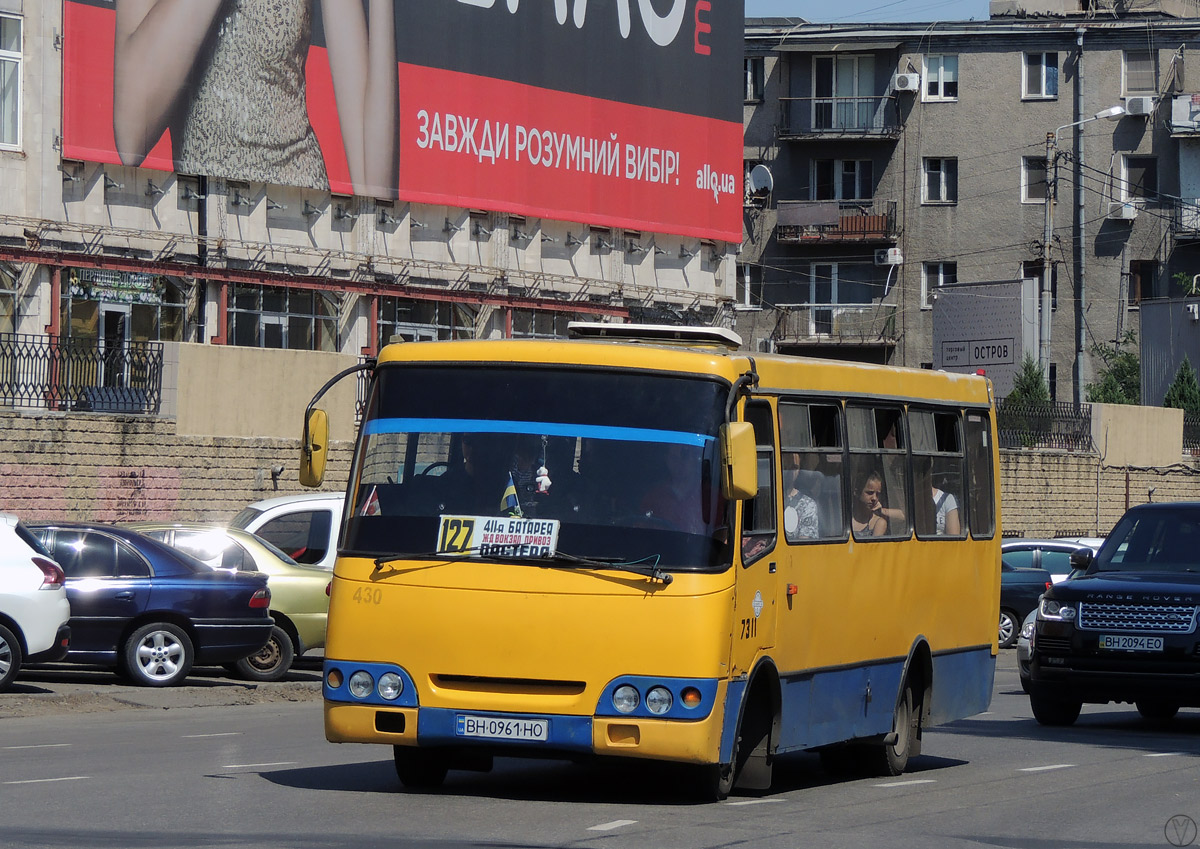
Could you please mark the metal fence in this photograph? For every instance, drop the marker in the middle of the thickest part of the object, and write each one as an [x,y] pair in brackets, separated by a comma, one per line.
[1050,424]
[1191,434]
[61,373]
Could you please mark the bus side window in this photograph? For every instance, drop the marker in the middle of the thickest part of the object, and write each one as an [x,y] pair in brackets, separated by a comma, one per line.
[980,474]
[938,469]
[758,513]
[879,463]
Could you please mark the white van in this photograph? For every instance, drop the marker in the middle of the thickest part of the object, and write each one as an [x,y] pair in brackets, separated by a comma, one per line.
[304,526]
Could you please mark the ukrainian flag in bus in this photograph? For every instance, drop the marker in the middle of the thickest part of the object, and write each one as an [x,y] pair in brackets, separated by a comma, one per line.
[510,505]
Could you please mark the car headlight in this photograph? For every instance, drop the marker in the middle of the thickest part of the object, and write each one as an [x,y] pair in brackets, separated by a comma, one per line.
[626,698]
[1027,630]
[1058,611]
[659,700]
[390,686]
[361,684]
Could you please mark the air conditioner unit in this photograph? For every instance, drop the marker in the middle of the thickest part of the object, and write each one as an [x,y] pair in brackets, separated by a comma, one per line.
[906,82]
[1122,210]
[1143,105]
[889,256]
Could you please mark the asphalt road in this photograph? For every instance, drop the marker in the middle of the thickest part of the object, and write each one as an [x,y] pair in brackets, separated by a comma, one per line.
[144,773]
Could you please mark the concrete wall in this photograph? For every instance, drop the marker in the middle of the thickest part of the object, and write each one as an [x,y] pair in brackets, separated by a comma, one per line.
[118,468]
[253,392]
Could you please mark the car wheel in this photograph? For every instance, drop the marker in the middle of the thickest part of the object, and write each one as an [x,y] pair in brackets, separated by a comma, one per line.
[420,769]
[1010,629]
[1053,710]
[272,661]
[10,658]
[158,655]
[1156,710]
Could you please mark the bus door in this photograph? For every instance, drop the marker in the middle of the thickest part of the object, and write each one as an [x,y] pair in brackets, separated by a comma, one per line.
[756,584]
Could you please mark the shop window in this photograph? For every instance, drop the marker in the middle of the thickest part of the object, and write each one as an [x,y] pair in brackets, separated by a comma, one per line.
[278,317]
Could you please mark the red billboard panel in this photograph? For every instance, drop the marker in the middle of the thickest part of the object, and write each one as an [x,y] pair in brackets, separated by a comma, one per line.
[624,113]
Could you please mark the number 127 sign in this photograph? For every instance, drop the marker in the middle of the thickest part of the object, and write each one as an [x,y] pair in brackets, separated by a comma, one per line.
[489,536]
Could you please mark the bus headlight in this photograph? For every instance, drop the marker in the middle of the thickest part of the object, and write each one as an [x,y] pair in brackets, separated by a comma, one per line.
[659,700]
[1050,609]
[626,699]
[361,684]
[390,686]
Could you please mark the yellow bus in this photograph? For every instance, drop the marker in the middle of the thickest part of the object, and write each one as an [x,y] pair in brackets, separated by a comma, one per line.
[642,542]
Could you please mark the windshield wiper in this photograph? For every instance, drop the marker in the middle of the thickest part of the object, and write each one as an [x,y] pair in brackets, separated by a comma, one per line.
[646,567]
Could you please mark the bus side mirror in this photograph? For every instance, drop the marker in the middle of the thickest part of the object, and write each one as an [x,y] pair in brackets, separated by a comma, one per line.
[313,448]
[739,461]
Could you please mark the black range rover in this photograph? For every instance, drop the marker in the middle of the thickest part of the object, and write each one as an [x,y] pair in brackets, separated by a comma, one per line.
[1123,628]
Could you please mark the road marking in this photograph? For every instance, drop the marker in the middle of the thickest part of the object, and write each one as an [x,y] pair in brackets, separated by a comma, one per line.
[256,766]
[41,746]
[907,783]
[1044,768]
[47,780]
[1162,754]
[609,826]
[752,802]
[218,734]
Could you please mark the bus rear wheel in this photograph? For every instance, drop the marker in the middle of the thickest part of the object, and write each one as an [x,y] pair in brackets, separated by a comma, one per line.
[420,769]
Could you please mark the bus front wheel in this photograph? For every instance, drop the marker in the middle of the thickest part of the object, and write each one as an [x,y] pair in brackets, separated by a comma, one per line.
[420,769]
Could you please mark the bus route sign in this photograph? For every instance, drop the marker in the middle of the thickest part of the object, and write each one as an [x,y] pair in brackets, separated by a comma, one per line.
[491,536]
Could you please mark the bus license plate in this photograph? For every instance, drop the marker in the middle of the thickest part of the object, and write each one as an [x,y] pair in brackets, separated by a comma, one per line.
[502,728]
[1120,642]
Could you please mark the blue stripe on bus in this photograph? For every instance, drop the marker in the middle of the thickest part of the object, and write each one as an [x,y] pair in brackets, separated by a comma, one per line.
[831,706]
[629,434]
[733,707]
[437,726]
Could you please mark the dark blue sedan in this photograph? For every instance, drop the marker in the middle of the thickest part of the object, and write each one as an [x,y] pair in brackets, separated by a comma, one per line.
[1020,589]
[150,610]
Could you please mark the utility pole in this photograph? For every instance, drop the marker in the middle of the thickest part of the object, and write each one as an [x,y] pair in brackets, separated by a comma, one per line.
[1047,234]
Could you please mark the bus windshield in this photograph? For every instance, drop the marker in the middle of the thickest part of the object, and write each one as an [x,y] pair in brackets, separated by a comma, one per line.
[624,466]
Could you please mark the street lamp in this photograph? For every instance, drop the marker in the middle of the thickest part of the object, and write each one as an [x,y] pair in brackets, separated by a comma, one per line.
[1112,113]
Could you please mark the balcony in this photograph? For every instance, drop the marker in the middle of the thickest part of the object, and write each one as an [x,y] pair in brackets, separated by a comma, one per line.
[1185,115]
[803,222]
[1185,219]
[846,324]
[839,117]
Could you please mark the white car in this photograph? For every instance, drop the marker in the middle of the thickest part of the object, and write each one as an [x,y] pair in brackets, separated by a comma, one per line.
[33,602]
[305,527]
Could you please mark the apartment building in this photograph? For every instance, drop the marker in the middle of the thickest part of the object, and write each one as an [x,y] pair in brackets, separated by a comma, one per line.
[1053,147]
[524,194]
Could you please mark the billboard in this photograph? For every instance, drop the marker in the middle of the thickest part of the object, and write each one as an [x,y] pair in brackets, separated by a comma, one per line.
[983,327]
[625,113]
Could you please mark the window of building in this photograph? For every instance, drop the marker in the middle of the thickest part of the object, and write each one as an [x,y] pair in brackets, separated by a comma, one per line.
[755,73]
[749,287]
[279,317]
[1033,179]
[1041,76]
[934,275]
[1032,270]
[1141,72]
[408,320]
[842,179]
[124,305]
[540,324]
[1141,177]
[941,180]
[941,77]
[10,82]
[1142,276]
[8,300]
[844,95]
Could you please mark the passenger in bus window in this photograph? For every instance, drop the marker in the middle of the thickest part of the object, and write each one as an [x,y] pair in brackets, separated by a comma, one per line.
[945,507]
[869,516]
[799,507]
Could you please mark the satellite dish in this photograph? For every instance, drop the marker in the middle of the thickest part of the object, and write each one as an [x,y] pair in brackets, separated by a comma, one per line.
[761,181]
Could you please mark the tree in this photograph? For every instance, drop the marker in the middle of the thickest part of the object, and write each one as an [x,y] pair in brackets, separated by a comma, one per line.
[1184,391]
[1120,379]
[1030,384]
